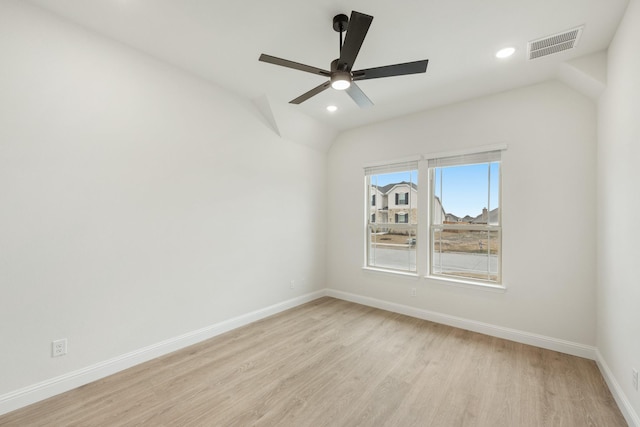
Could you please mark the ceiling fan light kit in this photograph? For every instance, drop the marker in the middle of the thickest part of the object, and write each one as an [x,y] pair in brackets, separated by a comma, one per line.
[342,76]
[340,80]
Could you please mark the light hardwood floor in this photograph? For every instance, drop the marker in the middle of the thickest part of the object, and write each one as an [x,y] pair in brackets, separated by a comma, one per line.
[335,363]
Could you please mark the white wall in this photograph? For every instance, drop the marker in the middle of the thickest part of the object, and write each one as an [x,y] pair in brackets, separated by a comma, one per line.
[548,174]
[115,225]
[116,229]
[618,207]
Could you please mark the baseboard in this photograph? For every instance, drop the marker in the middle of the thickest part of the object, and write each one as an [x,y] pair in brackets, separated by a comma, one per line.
[627,410]
[45,389]
[542,341]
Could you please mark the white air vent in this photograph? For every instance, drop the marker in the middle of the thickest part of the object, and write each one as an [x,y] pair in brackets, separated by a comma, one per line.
[554,44]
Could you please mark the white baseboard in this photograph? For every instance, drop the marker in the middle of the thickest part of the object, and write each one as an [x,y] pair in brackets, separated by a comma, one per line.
[45,389]
[627,410]
[562,346]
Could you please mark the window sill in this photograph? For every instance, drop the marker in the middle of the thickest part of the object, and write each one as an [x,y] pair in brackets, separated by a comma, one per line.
[486,287]
[391,272]
[466,284]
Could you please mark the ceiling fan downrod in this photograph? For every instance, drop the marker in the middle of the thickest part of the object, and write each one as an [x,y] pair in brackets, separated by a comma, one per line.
[340,23]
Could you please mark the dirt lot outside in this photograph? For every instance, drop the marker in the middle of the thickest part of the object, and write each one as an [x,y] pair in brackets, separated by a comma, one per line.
[446,241]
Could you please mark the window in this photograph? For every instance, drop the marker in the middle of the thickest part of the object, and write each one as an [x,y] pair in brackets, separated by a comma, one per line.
[402,198]
[457,234]
[391,232]
[402,218]
[466,188]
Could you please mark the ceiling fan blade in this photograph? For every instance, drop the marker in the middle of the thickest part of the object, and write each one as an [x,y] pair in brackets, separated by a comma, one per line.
[358,96]
[295,65]
[391,70]
[357,28]
[316,90]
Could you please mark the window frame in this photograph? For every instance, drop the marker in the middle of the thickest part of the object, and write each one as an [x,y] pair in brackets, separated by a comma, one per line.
[423,230]
[485,157]
[409,166]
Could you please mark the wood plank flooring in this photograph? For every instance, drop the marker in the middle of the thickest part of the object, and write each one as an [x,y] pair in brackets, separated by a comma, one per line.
[335,363]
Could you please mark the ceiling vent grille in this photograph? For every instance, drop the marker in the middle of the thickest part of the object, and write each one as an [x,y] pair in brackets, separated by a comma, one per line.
[554,44]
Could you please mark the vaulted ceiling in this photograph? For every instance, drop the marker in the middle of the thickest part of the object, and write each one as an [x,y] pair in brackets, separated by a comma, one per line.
[221,42]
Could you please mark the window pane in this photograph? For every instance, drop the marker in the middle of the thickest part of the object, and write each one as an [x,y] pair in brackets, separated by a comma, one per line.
[393,248]
[393,217]
[471,254]
[467,194]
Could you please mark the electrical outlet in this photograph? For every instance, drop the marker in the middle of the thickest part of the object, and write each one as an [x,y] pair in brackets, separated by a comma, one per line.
[59,347]
[292,284]
[634,378]
[414,292]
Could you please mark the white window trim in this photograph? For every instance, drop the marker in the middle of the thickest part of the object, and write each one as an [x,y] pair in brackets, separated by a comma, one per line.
[461,283]
[465,152]
[431,193]
[384,164]
[404,273]
[423,228]
[397,165]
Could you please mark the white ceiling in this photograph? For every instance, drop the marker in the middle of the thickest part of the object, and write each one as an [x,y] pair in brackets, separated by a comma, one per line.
[222,40]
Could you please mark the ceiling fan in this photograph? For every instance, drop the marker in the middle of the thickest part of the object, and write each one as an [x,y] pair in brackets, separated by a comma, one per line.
[341,76]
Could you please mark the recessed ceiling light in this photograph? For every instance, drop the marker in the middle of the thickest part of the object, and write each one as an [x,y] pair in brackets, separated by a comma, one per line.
[331,108]
[505,53]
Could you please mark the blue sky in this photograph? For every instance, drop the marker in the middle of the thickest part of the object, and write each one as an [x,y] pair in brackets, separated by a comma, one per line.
[464,188]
